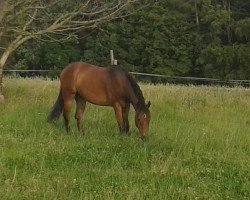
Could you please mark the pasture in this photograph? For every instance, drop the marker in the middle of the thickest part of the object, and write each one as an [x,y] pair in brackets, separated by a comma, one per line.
[199,146]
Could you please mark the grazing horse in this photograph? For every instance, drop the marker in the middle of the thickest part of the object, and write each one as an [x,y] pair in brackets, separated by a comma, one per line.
[110,86]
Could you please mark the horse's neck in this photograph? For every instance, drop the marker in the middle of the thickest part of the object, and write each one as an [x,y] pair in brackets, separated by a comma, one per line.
[137,104]
[134,104]
[134,100]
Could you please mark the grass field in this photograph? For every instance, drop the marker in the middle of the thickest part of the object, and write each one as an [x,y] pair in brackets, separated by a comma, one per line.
[199,146]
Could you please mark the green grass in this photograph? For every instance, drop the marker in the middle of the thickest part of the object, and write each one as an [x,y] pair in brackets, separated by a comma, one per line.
[199,147]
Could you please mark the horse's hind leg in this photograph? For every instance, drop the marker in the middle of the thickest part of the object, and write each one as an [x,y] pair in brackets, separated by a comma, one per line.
[80,107]
[67,103]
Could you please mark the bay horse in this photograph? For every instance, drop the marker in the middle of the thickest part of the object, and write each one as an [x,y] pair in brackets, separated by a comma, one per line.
[105,86]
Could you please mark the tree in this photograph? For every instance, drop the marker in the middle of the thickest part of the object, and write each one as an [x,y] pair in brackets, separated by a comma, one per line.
[155,39]
[50,20]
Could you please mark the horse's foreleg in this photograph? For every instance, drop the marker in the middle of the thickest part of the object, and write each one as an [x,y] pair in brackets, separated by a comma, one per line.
[80,107]
[119,118]
[125,112]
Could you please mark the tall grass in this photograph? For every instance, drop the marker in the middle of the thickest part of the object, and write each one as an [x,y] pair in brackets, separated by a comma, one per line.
[199,146]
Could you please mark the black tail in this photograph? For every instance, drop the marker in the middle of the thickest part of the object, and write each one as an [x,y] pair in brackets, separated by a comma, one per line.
[56,110]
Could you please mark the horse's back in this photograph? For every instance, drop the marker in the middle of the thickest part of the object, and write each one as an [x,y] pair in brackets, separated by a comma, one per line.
[98,85]
[72,70]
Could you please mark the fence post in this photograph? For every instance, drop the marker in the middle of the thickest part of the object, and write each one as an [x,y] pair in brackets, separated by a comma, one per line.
[111,57]
[113,61]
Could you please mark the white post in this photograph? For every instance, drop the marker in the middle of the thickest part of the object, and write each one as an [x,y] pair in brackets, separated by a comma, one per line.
[112,57]
[113,61]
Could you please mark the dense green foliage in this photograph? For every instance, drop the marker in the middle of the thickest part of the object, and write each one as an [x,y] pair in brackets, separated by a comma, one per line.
[199,147]
[204,38]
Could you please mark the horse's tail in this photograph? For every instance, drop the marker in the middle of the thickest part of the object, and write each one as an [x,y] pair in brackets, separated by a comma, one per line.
[56,110]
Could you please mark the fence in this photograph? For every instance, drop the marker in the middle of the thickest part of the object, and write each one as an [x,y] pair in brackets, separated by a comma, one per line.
[165,78]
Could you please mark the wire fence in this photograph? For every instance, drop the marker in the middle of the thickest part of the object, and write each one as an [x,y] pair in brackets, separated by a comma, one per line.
[149,76]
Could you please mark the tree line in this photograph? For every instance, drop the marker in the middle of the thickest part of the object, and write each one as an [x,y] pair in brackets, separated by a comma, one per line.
[200,38]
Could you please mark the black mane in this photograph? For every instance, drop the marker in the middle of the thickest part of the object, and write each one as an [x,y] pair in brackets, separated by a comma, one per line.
[135,87]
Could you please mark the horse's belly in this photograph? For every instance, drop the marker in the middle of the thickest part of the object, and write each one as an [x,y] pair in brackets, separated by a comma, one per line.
[98,89]
[96,97]
[98,101]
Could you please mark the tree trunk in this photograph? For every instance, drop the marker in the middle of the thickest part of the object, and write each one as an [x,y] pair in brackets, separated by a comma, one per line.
[13,46]
[1,89]
[229,31]
[3,60]
[196,13]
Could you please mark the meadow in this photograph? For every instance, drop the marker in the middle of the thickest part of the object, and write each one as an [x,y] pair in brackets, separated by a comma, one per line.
[199,146]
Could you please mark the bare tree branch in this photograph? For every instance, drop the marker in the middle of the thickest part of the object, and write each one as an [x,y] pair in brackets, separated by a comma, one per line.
[41,19]
[31,20]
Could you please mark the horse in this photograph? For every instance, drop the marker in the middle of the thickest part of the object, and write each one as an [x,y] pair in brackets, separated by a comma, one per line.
[104,86]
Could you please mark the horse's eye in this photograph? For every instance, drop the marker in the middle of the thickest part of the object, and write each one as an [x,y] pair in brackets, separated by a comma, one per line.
[144,116]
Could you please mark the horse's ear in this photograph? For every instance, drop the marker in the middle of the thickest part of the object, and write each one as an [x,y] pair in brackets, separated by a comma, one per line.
[149,104]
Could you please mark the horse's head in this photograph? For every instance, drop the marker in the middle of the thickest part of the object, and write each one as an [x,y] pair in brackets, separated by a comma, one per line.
[142,119]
